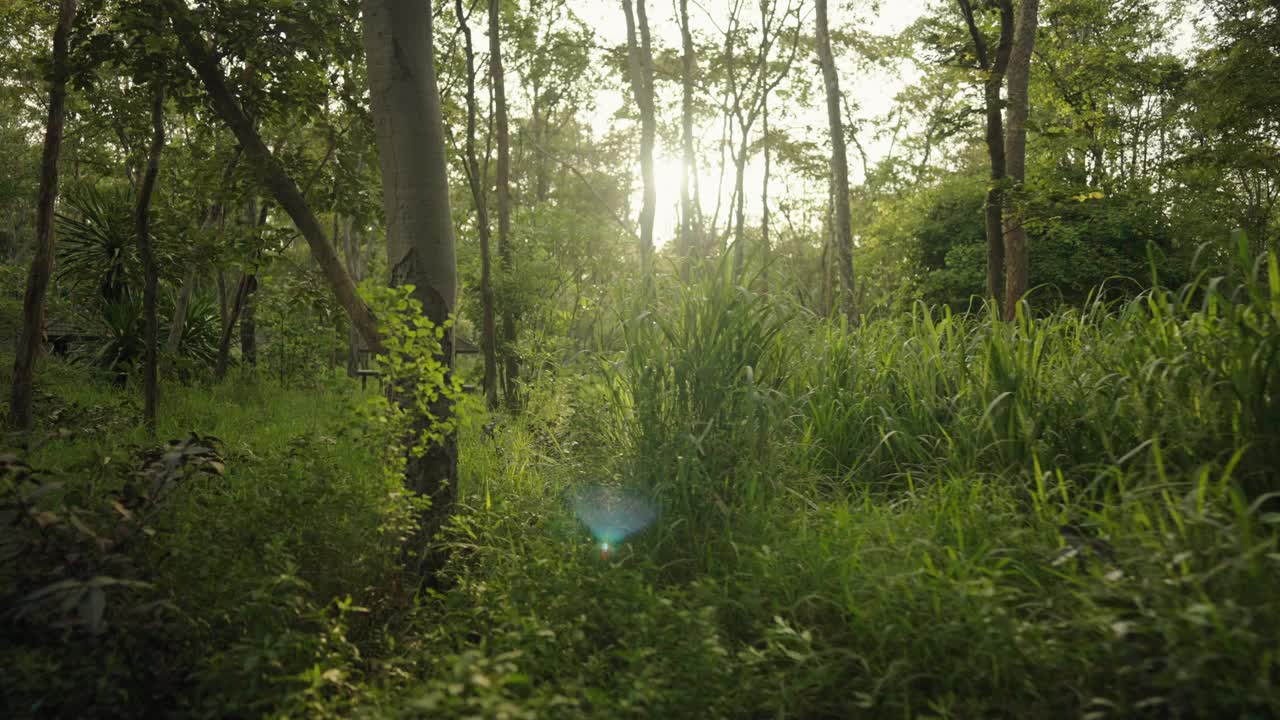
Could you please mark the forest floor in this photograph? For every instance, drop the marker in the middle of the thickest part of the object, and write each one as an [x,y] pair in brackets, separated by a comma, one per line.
[931,517]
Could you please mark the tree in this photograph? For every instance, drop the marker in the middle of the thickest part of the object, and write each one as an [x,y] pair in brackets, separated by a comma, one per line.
[488,333]
[497,77]
[269,170]
[839,163]
[993,70]
[142,221]
[640,72]
[1017,265]
[690,211]
[748,95]
[213,216]
[33,302]
[405,99]
[1235,134]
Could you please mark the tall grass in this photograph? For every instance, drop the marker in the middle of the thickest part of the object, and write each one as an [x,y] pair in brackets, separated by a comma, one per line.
[947,515]
[929,516]
[698,401]
[1087,394]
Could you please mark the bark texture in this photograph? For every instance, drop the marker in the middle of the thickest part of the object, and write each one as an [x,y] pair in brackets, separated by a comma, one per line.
[415,198]
[839,164]
[994,69]
[498,80]
[1017,265]
[142,225]
[33,302]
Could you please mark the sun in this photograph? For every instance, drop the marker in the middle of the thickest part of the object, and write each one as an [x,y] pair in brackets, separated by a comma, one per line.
[667,176]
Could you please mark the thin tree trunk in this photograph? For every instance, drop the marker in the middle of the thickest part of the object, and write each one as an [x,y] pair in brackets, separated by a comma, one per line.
[739,213]
[497,79]
[1017,266]
[689,222]
[764,195]
[178,323]
[249,308]
[488,334]
[33,302]
[224,302]
[825,266]
[726,139]
[541,182]
[994,81]
[270,172]
[249,327]
[839,164]
[351,250]
[142,223]
[229,325]
[409,128]
[212,217]
[640,64]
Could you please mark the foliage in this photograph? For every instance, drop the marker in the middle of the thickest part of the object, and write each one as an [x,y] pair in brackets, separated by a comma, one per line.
[302,326]
[417,378]
[222,579]
[69,562]
[926,513]
[97,248]
[1080,245]
[693,390]
[934,515]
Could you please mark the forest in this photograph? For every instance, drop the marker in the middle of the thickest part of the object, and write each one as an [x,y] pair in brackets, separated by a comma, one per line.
[592,359]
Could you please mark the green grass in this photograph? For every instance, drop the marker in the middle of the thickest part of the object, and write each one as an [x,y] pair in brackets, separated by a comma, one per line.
[931,516]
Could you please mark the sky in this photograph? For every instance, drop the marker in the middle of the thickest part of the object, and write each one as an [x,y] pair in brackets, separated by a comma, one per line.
[873,91]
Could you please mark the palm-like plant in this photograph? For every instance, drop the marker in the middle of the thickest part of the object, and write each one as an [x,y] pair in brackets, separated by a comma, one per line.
[200,331]
[98,251]
[96,241]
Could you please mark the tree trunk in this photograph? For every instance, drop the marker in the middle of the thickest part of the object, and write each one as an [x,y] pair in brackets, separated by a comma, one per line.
[249,327]
[739,213]
[177,326]
[33,302]
[351,250]
[488,334]
[764,195]
[1017,266]
[224,302]
[270,172]
[249,308]
[640,64]
[994,71]
[243,288]
[497,78]
[839,164]
[689,222]
[178,323]
[142,223]
[415,193]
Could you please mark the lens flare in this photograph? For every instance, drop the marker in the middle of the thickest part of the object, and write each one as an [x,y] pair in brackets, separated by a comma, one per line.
[612,514]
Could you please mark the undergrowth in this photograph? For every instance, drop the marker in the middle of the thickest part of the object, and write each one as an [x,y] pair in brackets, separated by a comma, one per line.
[1068,515]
